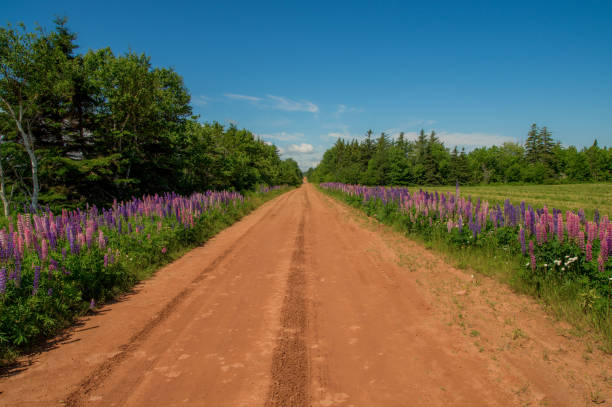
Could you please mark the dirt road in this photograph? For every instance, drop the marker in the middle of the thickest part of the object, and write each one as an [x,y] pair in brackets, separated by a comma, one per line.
[305,303]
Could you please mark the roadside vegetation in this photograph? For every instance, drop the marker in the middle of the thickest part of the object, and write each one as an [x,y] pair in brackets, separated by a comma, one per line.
[562,258]
[55,268]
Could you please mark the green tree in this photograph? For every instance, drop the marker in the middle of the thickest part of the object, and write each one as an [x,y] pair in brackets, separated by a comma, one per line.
[34,87]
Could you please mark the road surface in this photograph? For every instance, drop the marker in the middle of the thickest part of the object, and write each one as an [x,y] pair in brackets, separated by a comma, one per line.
[304,302]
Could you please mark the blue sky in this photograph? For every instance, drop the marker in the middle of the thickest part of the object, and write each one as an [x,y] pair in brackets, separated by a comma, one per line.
[302,74]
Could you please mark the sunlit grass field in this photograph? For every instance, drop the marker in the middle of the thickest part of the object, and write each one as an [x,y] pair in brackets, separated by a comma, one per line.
[565,197]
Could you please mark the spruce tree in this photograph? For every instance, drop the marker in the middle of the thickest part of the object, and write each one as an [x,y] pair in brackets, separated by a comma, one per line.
[463,169]
[532,144]
[454,162]
[546,146]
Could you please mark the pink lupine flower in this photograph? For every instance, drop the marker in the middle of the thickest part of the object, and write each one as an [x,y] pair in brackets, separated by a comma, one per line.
[589,251]
[44,249]
[28,237]
[540,233]
[604,249]
[101,239]
[560,228]
[81,239]
[580,239]
[591,228]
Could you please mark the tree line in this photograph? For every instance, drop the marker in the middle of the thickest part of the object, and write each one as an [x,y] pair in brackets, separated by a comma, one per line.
[427,161]
[89,128]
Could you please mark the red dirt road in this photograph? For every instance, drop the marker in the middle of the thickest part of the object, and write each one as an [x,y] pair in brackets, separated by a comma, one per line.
[304,302]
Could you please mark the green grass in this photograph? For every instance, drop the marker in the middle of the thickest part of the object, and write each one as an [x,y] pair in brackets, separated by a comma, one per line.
[565,197]
[26,322]
[568,301]
[565,302]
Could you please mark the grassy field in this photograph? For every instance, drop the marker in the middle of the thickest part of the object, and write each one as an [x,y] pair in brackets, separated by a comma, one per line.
[565,197]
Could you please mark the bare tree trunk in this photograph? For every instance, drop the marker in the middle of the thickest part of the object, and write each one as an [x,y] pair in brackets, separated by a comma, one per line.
[29,146]
[5,201]
[28,143]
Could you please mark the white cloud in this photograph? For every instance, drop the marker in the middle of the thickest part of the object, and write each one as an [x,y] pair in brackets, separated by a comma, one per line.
[304,154]
[308,163]
[473,139]
[305,161]
[283,136]
[277,103]
[242,97]
[344,109]
[303,148]
[282,103]
[201,100]
[343,132]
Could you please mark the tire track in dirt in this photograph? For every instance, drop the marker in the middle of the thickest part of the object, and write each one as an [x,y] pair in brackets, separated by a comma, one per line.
[289,371]
[105,369]
[307,304]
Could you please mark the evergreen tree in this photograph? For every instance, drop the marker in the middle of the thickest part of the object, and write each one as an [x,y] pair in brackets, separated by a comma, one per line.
[463,169]
[453,174]
[532,144]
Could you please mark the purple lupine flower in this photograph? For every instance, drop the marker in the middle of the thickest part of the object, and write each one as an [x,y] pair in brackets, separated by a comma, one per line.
[2,280]
[92,304]
[105,260]
[36,280]
[582,216]
[17,274]
[50,292]
[522,240]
